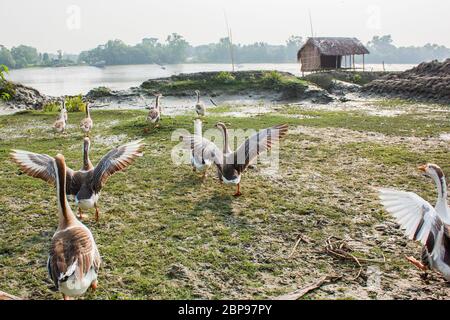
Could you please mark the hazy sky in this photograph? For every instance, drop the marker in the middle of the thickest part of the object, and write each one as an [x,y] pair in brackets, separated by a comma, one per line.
[78,25]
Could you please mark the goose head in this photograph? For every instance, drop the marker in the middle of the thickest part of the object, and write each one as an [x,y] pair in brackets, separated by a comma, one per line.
[433,171]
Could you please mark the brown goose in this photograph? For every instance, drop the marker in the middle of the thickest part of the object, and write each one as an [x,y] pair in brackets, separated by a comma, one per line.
[60,124]
[87,183]
[230,165]
[87,123]
[74,260]
[154,115]
[423,223]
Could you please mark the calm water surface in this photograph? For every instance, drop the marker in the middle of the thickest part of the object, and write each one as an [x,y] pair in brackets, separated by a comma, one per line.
[81,79]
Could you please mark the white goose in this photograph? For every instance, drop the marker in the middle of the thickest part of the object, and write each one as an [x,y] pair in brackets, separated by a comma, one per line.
[199,162]
[199,107]
[422,222]
[74,260]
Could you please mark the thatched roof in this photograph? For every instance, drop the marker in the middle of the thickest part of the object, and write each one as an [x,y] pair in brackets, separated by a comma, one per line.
[336,46]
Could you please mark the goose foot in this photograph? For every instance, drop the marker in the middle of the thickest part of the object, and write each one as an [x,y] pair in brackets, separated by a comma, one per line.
[417,263]
[146,130]
[80,214]
[94,285]
[66,297]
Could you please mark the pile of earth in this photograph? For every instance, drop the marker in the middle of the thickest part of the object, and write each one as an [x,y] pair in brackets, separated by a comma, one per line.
[23,97]
[428,81]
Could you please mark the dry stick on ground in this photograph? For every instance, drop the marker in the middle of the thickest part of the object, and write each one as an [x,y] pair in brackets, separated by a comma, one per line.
[297,294]
[7,296]
[300,238]
[339,248]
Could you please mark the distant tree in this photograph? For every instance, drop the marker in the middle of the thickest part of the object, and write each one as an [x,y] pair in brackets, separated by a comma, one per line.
[6,57]
[175,49]
[25,56]
[45,59]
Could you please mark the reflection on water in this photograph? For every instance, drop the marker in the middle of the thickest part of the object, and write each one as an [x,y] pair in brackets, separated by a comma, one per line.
[75,80]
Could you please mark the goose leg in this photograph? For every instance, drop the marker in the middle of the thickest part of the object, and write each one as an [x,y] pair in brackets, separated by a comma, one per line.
[80,214]
[65,297]
[96,213]
[417,263]
[204,177]
[238,192]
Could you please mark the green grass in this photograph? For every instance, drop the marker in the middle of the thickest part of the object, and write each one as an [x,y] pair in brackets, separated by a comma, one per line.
[164,235]
[230,83]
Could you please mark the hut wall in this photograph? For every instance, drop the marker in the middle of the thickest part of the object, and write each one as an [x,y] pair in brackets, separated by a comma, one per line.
[330,62]
[310,58]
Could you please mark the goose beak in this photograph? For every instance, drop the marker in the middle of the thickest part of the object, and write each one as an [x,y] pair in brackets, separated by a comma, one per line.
[423,168]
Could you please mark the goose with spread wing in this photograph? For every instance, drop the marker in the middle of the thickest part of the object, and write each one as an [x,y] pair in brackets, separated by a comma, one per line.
[87,183]
[231,165]
[424,223]
[74,261]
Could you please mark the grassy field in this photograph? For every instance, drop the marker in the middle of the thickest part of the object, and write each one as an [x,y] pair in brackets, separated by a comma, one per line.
[164,235]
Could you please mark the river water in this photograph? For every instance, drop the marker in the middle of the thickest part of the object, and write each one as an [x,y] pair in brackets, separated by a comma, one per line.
[81,79]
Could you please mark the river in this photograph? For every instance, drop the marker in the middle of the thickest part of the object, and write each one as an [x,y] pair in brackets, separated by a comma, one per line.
[81,79]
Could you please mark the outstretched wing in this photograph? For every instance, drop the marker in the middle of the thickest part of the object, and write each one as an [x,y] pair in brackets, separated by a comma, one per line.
[116,160]
[39,166]
[415,215]
[35,165]
[72,252]
[255,145]
[203,150]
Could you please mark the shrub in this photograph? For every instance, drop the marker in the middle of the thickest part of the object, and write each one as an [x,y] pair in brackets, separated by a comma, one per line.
[224,77]
[357,79]
[272,78]
[100,92]
[7,89]
[52,107]
[75,104]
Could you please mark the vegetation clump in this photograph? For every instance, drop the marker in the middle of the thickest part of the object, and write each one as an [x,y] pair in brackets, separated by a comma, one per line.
[240,82]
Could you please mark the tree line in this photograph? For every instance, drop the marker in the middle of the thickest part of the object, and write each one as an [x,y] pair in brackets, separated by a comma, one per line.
[176,49]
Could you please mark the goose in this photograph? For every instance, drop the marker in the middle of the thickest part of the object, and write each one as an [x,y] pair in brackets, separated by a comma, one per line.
[198,161]
[424,223]
[154,115]
[199,107]
[86,184]
[60,124]
[230,165]
[74,261]
[66,117]
[87,123]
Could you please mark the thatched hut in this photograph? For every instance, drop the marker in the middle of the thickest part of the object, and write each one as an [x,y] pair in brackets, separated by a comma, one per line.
[330,53]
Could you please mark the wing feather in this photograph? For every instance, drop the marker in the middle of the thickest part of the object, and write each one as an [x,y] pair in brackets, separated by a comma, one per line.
[116,160]
[35,165]
[416,216]
[255,145]
[72,252]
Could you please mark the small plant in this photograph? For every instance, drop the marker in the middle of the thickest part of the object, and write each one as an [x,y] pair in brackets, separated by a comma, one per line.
[224,77]
[357,79]
[272,78]
[75,104]
[7,90]
[100,92]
